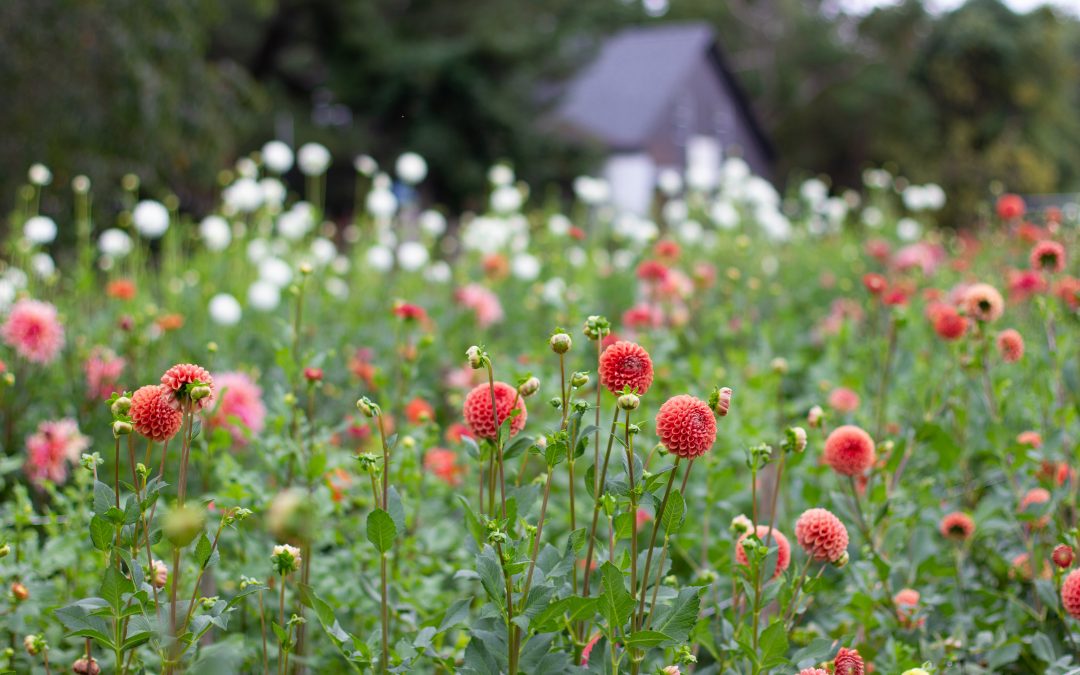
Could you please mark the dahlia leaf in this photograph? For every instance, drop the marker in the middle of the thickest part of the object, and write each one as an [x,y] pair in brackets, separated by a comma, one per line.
[381,530]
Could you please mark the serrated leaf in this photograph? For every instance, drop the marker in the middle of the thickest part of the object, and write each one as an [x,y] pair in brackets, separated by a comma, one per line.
[616,603]
[773,645]
[457,614]
[673,512]
[395,508]
[113,587]
[644,639]
[104,498]
[573,608]
[381,530]
[678,618]
[203,549]
[102,533]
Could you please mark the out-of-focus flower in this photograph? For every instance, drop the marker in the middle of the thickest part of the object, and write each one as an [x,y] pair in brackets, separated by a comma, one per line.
[1010,345]
[313,159]
[957,525]
[114,243]
[849,450]
[277,156]
[151,219]
[1010,207]
[768,537]
[983,302]
[442,463]
[103,369]
[215,233]
[843,400]
[482,302]
[34,331]
[239,408]
[224,310]
[39,230]
[52,448]
[411,168]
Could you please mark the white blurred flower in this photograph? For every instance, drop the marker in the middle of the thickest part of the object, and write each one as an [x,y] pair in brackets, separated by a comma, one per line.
[225,310]
[877,178]
[114,243]
[42,265]
[80,184]
[244,195]
[559,225]
[770,265]
[247,168]
[412,256]
[337,288]
[411,168]
[669,181]
[836,210]
[340,265]
[7,294]
[506,199]
[16,277]
[675,211]
[872,217]
[277,156]
[701,177]
[814,192]
[488,235]
[734,171]
[724,214]
[276,271]
[438,272]
[690,232]
[257,250]
[294,224]
[39,229]
[776,226]
[908,229]
[554,291]
[432,223]
[380,258]
[592,191]
[215,233]
[381,202]
[622,259]
[323,250]
[525,266]
[934,196]
[313,159]
[637,230]
[500,174]
[151,219]
[264,296]
[39,175]
[365,165]
[273,192]
[576,256]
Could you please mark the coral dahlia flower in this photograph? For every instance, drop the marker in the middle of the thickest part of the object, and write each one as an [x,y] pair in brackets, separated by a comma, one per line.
[783,554]
[478,415]
[949,324]
[686,426]
[957,525]
[34,331]
[177,378]
[626,364]
[843,400]
[848,662]
[239,406]
[849,450]
[983,302]
[1048,256]
[1010,345]
[1070,594]
[153,414]
[822,535]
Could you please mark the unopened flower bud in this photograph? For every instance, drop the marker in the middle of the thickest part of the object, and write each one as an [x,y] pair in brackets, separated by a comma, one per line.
[740,524]
[121,428]
[305,268]
[121,406]
[579,379]
[286,559]
[313,374]
[720,401]
[86,666]
[597,327]
[779,365]
[366,407]
[560,343]
[841,561]
[796,439]
[200,392]
[475,357]
[629,402]
[1062,556]
[182,525]
[20,592]
[555,402]
[813,418]
[529,387]
[159,575]
[34,644]
[5,550]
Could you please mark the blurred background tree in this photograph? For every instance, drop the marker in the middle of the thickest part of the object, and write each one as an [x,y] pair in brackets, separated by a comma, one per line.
[173,89]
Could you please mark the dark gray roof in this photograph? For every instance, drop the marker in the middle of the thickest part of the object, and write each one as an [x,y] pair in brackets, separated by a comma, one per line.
[620,96]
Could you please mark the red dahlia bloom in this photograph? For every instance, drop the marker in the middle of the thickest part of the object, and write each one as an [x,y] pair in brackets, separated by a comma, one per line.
[182,374]
[849,450]
[686,426]
[1010,207]
[957,525]
[153,414]
[875,283]
[1062,556]
[1070,594]
[626,364]
[949,324]
[822,535]
[477,409]
[1010,345]
[1048,255]
[983,302]
[848,662]
[783,553]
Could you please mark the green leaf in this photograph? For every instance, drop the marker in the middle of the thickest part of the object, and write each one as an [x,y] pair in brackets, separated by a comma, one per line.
[678,618]
[457,614]
[104,498]
[574,607]
[102,533]
[643,639]
[517,446]
[395,508]
[673,512]
[381,530]
[203,550]
[616,603]
[113,587]
[773,644]
[1043,648]
[325,614]
[472,522]
[487,566]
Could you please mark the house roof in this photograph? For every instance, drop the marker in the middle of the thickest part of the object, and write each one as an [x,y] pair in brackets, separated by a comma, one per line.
[621,96]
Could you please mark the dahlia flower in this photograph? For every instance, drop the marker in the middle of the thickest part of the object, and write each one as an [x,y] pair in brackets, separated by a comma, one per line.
[849,450]
[478,414]
[686,426]
[822,535]
[626,365]
[34,331]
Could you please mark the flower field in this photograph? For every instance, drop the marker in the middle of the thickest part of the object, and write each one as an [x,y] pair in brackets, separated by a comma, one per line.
[749,433]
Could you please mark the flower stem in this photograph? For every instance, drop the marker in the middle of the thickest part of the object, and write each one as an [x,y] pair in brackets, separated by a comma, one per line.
[596,503]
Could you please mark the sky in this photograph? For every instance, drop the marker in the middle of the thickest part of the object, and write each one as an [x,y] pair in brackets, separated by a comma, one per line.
[860,6]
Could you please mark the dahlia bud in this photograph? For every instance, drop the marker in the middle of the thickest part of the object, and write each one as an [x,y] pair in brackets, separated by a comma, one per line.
[634,430]
[313,375]
[286,559]
[560,343]
[34,644]
[408,442]
[1062,556]
[120,428]
[182,525]
[813,418]
[306,268]
[20,592]
[529,387]
[579,379]
[365,406]
[842,560]
[87,665]
[779,365]
[629,402]
[795,439]
[475,357]
[5,550]
[200,392]
[740,524]
[597,327]
[159,575]
[121,406]
[720,400]
[555,402]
